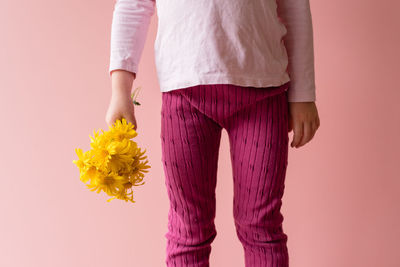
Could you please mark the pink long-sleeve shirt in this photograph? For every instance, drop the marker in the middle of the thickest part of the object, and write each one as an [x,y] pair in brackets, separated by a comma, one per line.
[257,43]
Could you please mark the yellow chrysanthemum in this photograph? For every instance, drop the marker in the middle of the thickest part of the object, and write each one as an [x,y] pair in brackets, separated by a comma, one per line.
[122,130]
[115,163]
[121,154]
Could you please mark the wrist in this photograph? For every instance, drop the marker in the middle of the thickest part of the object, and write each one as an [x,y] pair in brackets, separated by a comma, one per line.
[122,81]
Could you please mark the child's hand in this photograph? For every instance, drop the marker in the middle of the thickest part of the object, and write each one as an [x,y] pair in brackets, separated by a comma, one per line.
[304,121]
[121,105]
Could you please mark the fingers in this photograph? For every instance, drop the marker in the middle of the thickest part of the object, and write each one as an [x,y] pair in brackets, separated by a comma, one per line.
[130,118]
[298,130]
[304,121]
[120,107]
[111,120]
[307,134]
[304,131]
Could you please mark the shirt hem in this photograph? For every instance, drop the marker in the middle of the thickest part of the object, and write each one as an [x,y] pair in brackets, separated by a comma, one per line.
[224,79]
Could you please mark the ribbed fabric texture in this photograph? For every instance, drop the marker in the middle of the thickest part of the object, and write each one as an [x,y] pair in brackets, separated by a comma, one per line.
[256,120]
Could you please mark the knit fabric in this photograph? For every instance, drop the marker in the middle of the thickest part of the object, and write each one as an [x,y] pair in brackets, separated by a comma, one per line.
[256,120]
[257,43]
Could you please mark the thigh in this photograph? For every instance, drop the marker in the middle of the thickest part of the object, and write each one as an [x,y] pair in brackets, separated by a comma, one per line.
[258,136]
[190,145]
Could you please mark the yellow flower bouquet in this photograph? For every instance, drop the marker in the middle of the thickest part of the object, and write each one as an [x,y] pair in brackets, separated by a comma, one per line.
[115,163]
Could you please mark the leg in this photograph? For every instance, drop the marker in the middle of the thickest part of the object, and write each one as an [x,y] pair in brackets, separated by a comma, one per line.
[190,146]
[259,148]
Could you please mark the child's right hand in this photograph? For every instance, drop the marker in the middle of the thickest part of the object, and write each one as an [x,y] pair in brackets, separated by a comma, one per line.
[121,103]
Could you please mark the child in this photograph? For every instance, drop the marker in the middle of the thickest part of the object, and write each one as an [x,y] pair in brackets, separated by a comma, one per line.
[243,66]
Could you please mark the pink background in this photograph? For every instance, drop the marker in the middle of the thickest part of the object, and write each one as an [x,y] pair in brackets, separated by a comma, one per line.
[341,204]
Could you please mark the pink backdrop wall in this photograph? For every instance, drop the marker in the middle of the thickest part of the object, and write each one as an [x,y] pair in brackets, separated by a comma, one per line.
[342,189]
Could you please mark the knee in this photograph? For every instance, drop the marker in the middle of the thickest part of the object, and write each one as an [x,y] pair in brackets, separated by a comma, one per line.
[262,231]
[191,232]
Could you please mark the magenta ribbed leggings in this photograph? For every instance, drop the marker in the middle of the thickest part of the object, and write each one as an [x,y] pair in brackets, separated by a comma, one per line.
[256,120]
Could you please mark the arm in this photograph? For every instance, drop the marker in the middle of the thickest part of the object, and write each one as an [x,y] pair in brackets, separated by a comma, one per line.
[130,23]
[131,19]
[296,16]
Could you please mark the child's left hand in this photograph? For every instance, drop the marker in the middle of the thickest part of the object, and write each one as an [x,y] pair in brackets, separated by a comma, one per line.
[304,121]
